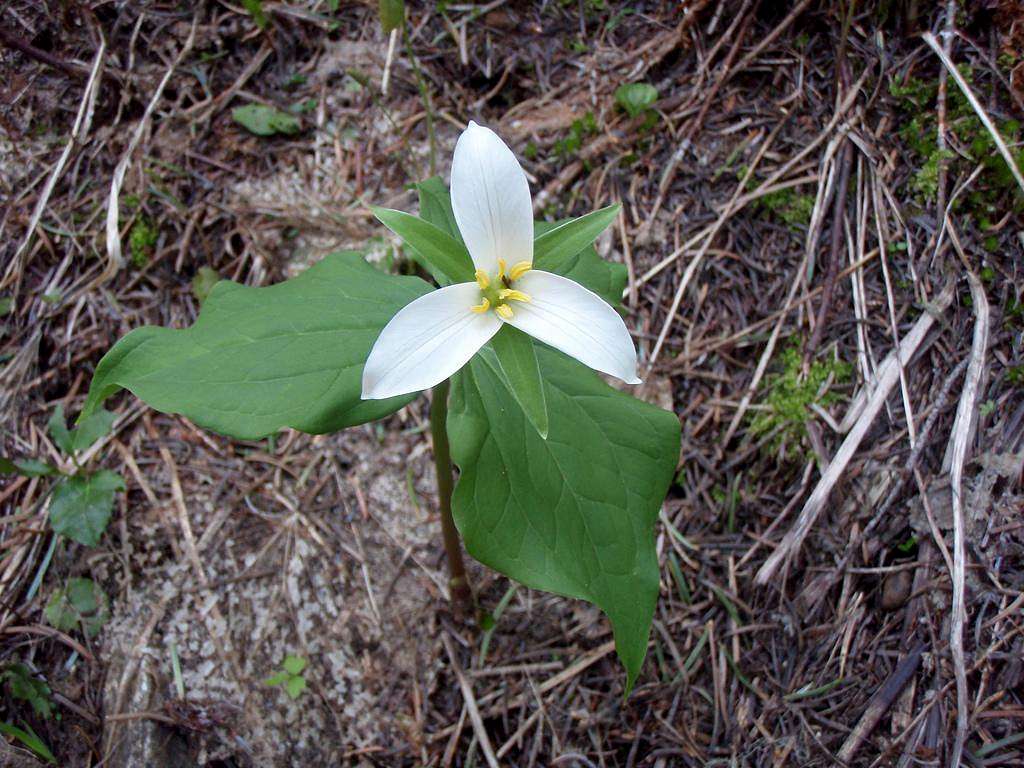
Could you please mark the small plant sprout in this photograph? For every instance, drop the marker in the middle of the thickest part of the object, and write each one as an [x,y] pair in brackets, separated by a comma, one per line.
[290,676]
[433,337]
[560,476]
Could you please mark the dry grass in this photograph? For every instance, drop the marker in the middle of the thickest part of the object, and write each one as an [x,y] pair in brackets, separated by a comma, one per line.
[842,564]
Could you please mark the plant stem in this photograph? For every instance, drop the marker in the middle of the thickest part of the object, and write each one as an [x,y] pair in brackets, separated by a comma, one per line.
[458,584]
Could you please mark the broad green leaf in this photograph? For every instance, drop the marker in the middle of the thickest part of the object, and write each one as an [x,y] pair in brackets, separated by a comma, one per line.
[92,428]
[265,121]
[518,362]
[635,97]
[573,514]
[261,359]
[294,665]
[81,604]
[29,738]
[59,432]
[556,246]
[80,506]
[436,206]
[605,278]
[443,256]
[392,14]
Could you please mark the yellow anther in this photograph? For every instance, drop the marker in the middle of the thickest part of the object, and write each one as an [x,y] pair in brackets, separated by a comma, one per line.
[520,269]
[482,279]
[504,311]
[482,307]
[510,293]
[501,268]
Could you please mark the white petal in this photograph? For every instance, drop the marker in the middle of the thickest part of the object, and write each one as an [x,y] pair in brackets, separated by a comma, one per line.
[427,341]
[491,200]
[576,321]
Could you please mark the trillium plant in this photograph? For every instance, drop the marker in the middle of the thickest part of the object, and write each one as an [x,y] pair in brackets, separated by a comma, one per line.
[560,476]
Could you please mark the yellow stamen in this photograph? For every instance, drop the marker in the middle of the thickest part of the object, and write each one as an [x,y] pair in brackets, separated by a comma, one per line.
[520,269]
[501,268]
[482,279]
[504,311]
[482,307]
[509,293]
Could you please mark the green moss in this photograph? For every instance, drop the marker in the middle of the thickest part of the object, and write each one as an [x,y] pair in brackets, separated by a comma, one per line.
[995,188]
[142,240]
[569,145]
[793,208]
[790,395]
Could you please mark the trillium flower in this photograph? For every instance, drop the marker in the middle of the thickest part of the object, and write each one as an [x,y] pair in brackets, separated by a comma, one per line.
[435,335]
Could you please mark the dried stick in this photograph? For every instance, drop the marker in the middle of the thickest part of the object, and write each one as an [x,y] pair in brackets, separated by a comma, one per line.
[888,374]
[471,707]
[114,257]
[78,132]
[880,702]
[962,428]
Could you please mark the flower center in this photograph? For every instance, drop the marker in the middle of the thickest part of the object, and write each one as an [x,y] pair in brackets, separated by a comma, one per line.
[498,292]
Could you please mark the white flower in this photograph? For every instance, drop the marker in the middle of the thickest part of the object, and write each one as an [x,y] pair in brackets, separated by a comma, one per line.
[434,336]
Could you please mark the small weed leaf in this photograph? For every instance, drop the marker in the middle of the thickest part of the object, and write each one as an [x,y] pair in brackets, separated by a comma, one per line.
[80,506]
[81,604]
[22,684]
[265,121]
[634,98]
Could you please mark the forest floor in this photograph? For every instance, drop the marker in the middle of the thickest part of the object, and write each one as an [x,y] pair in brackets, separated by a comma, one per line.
[842,552]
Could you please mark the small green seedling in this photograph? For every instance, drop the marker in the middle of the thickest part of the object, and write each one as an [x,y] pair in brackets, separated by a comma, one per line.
[81,502]
[636,98]
[80,604]
[23,685]
[290,676]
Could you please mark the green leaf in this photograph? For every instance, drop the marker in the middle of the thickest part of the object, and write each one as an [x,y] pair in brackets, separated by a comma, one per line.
[518,361]
[91,428]
[635,97]
[573,514]
[265,121]
[442,255]
[294,665]
[29,467]
[392,14]
[80,604]
[556,246]
[278,679]
[59,430]
[436,206]
[80,506]
[295,686]
[29,738]
[261,359]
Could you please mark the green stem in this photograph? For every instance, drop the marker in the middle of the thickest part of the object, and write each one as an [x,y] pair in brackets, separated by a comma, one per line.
[458,584]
